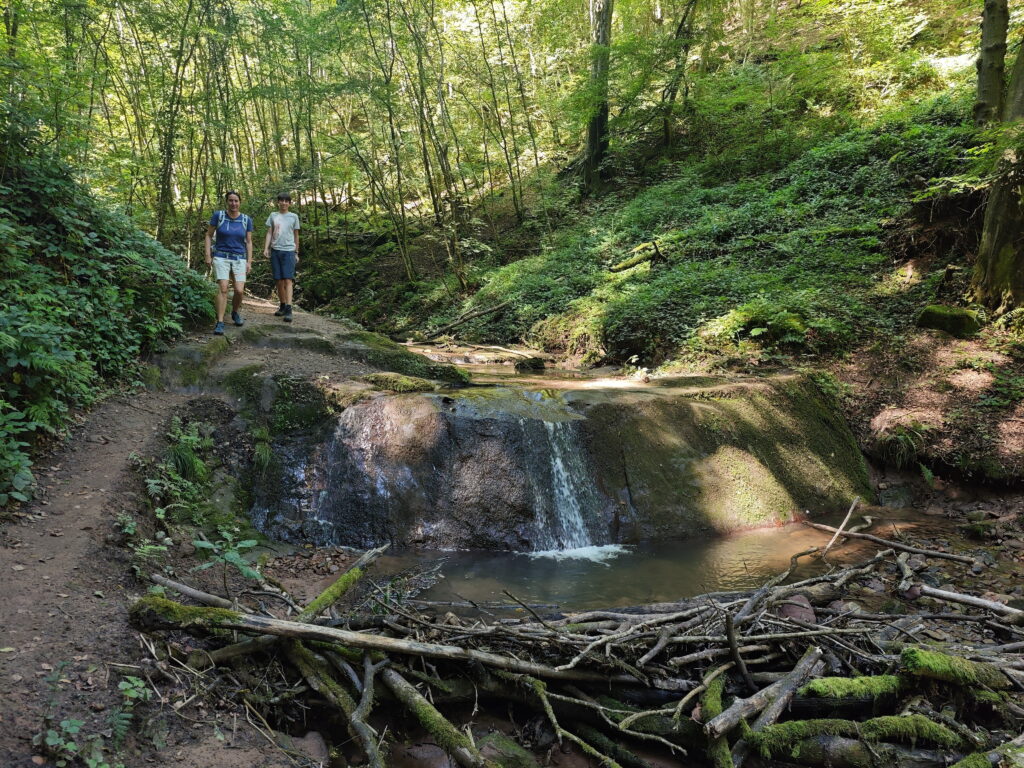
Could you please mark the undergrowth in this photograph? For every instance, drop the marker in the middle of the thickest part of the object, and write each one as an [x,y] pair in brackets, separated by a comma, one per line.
[88,293]
[793,261]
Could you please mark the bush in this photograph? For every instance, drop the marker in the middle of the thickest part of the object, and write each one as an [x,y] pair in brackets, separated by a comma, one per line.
[87,293]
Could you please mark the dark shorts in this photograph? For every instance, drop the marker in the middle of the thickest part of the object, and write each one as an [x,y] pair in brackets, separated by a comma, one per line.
[283,264]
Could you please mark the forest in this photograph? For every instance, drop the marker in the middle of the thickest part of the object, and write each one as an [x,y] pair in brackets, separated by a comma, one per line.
[797,225]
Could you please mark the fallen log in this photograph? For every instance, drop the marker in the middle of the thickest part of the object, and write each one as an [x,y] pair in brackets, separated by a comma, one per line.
[895,544]
[447,736]
[1014,615]
[744,708]
[201,660]
[467,317]
[152,612]
[841,752]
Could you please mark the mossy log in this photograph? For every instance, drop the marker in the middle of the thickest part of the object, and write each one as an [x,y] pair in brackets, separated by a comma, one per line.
[711,708]
[152,613]
[745,708]
[318,675]
[338,589]
[448,737]
[777,740]
[921,662]
[842,752]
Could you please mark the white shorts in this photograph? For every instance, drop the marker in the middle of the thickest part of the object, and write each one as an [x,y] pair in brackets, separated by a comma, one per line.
[224,268]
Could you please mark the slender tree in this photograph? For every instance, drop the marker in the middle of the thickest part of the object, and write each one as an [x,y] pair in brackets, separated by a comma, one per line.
[597,126]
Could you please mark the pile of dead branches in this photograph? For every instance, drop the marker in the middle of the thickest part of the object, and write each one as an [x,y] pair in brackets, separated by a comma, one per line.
[795,673]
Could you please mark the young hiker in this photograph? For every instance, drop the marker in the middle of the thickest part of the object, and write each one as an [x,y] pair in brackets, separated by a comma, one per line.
[282,248]
[230,255]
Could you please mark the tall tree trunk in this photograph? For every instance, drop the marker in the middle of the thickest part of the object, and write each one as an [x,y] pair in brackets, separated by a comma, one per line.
[999,271]
[991,62]
[597,127]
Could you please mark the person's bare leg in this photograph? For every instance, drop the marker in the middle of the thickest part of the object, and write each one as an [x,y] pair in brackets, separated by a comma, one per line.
[236,300]
[220,301]
[280,291]
[287,291]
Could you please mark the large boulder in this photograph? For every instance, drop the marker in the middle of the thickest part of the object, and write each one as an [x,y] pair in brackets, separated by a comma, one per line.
[504,468]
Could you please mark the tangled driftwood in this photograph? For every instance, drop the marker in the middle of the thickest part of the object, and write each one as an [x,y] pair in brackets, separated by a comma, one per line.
[781,673]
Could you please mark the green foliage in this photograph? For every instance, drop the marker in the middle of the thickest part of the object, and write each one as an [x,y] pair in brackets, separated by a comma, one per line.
[87,294]
[228,551]
[900,444]
[790,260]
[68,741]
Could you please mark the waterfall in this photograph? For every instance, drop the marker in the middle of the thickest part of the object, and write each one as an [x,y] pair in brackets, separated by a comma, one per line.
[570,484]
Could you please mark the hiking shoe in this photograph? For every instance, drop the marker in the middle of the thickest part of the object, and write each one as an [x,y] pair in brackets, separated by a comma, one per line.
[280,311]
[218,329]
[237,319]
[287,313]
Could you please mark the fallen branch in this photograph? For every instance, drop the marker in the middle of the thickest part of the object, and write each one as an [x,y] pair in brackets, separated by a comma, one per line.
[895,544]
[744,708]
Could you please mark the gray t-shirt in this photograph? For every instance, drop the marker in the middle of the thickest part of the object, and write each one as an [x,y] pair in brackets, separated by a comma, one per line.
[284,226]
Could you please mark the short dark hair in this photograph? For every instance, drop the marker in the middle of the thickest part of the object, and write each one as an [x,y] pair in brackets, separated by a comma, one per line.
[231,192]
[284,196]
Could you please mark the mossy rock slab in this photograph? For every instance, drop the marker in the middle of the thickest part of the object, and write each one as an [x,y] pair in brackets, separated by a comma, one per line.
[396,382]
[187,366]
[286,404]
[380,352]
[263,336]
[491,468]
[956,321]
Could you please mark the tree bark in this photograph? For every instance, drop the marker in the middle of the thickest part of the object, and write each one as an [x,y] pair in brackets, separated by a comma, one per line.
[597,127]
[999,270]
[991,62]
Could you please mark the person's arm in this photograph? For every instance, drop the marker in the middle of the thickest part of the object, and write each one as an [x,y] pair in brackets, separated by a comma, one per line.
[248,252]
[266,243]
[209,244]
[295,234]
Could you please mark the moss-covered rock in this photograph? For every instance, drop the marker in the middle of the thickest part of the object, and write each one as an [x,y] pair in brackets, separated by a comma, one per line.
[396,382]
[186,366]
[380,352]
[955,321]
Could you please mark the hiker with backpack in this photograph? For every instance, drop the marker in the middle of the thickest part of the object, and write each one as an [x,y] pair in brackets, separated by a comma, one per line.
[230,255]
[282,248]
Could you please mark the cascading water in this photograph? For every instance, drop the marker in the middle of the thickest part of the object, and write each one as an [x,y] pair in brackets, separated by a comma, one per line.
[567,468]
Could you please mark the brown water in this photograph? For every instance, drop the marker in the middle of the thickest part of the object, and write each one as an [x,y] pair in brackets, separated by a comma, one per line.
[601,577]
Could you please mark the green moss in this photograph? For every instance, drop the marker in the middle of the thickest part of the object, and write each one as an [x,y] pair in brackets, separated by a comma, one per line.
[385,354]
[297,405]
[153,611]
[505,752]
[193,370]
[977,760]
[245,383]
[844,687]
[951,669]
[711,707]
[396,382]
[331,595]
[781,738]
[908,729]
[150,376]
[955,321]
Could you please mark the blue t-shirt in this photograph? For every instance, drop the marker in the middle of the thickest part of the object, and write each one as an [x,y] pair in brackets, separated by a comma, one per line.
[231,232]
